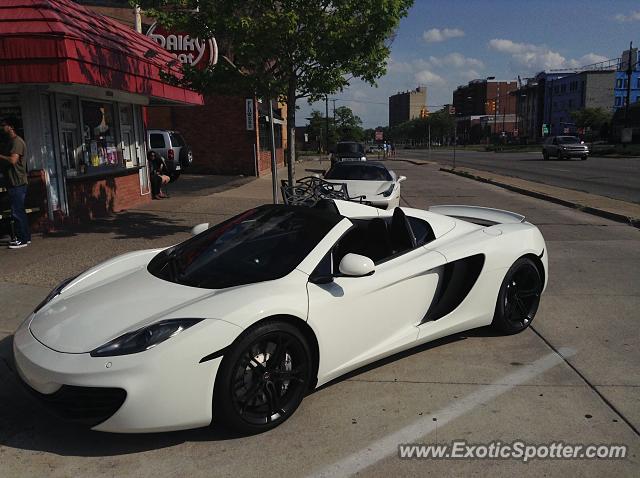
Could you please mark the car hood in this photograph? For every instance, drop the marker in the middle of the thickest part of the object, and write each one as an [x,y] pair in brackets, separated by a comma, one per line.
[371,189]
[107,301]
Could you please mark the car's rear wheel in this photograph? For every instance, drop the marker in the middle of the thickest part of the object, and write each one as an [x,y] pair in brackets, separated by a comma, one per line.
[263,379]
[518,298]
[560,155]
[584,158]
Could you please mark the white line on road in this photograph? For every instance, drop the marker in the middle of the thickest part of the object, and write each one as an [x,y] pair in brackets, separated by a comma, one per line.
[388,445]
[556,169]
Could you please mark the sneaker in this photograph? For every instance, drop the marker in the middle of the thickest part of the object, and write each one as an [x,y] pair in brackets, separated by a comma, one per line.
[17,244]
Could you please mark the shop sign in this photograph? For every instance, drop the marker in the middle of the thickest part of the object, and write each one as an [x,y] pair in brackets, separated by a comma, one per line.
[188,50]
[249,114]
[379,135]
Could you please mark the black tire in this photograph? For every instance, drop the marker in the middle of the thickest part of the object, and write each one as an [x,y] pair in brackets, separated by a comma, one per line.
[518,298]
[263,378]
[545,156]
[584,158]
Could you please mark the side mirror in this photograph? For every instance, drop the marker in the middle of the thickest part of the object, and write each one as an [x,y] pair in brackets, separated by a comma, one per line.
[402,178]
[355,265]
[195,230]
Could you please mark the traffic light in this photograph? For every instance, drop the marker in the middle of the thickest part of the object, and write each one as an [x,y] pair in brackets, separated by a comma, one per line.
[424,112]
[491,106]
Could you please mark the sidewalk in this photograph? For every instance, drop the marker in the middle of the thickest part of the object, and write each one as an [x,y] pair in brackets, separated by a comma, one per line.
[602,206]
[194,199]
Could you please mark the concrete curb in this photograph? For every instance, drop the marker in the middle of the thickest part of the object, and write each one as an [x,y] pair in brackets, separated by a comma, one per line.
[632,221]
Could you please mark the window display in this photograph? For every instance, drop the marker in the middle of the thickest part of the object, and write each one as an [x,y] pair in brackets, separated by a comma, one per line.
[99,136]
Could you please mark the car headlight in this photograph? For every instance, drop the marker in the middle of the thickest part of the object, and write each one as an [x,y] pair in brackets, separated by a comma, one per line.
[55,292]
[363,158]
[389,191]
[145,338]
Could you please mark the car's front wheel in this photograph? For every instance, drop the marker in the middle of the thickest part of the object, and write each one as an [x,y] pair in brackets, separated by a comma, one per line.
[263,378]
[518,298]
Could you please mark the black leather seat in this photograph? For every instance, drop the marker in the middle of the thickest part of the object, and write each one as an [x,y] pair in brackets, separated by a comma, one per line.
[402,237]
[378,240]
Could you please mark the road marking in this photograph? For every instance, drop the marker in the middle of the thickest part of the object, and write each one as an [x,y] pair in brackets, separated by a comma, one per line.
[388,445]
[563,170]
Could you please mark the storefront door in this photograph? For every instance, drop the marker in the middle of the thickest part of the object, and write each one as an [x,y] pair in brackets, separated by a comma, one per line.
[141,150]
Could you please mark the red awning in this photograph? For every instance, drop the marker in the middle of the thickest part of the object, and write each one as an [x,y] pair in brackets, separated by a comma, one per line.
[59,41]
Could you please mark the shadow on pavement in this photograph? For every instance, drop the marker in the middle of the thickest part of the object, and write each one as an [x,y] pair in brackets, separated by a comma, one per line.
[25,425]
[129,225]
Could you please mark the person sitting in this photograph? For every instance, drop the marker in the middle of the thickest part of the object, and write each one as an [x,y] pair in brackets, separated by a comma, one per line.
[159,175]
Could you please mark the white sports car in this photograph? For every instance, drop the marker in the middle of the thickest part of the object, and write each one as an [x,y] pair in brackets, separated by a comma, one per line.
[370,181]
[236,324]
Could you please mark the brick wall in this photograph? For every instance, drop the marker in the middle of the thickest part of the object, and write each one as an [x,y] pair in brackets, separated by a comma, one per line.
[217,135]
[91,198]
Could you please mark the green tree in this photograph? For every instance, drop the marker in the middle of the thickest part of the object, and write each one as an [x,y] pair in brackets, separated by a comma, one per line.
[317,129]
[286,49]
[348,125]
[595,119]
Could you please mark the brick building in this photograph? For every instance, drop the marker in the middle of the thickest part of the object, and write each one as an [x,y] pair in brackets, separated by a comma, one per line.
[77,85]
[407,105]
[224,137]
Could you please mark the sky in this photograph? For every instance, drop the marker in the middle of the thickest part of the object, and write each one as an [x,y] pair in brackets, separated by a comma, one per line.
[446,43]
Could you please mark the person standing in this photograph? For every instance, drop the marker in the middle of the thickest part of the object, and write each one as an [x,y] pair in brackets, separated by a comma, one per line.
[15,171]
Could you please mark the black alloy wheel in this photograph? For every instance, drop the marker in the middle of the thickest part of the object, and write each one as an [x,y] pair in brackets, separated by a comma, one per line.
[262,381]
[519,297]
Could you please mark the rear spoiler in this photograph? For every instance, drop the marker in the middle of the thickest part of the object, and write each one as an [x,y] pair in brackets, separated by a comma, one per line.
[496,216]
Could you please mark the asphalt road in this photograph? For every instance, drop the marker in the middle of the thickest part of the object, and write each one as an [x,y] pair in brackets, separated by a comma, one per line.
[617,178]
[573,377]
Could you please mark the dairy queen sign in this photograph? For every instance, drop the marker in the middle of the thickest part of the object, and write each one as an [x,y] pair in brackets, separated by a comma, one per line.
[192,51]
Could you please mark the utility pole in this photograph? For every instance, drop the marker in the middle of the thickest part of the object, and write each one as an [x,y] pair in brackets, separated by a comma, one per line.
[429,125]
[629,73]
[495,112]
[326,117]
[334,111]
[455,141]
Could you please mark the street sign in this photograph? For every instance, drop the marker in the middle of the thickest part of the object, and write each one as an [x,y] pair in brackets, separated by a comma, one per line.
[379,135]
[249,114]
[545,128]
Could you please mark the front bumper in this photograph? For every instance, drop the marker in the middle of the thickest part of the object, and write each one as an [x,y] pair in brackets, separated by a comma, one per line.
[574,153]
[161,389]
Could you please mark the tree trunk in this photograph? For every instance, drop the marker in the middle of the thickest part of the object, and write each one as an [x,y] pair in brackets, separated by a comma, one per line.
[291,133]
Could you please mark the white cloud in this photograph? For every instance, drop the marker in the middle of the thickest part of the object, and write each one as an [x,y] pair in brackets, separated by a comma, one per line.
[534,58]
[437,35]
[631,17]
[426,77]
[456,60]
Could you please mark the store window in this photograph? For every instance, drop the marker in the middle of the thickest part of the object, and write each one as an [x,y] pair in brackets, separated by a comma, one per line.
[619,83]
[265,135]
[618,100]
[99,136]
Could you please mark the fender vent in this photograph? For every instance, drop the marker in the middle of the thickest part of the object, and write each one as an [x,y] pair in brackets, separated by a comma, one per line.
[455,284]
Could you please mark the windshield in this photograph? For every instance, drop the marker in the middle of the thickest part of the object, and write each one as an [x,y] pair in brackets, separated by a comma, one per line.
[568,140]
[350,148]
[261,244]
[358,172]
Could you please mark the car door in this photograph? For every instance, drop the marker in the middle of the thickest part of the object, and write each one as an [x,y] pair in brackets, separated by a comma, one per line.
[360,319]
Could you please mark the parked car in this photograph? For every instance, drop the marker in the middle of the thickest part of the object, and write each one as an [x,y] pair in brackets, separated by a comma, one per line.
[564,147]
[371,181]
[172,147]
[348,151]
[237,324]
